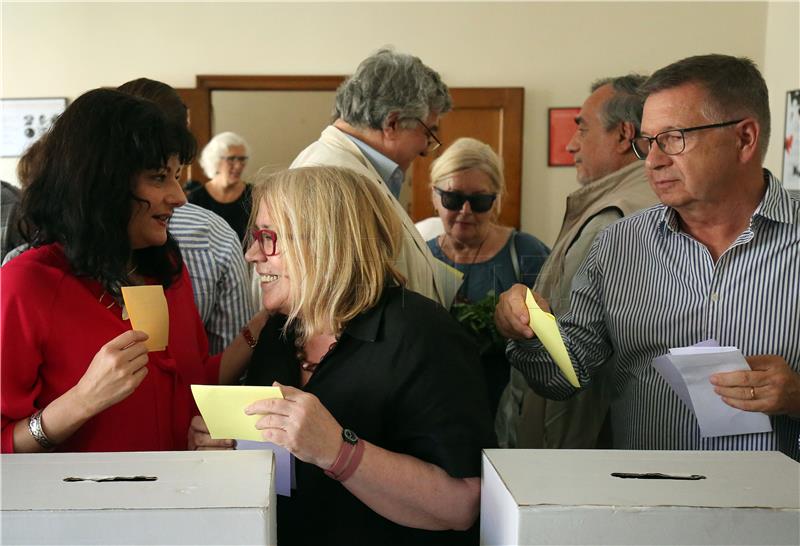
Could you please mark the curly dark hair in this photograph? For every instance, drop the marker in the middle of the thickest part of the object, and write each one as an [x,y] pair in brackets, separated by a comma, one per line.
[80,194]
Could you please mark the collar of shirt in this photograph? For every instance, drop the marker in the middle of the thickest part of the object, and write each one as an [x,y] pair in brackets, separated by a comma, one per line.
[365,326]
[388,170]
[776,205]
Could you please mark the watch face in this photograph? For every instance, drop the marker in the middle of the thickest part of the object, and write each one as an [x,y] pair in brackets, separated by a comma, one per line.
[349,436]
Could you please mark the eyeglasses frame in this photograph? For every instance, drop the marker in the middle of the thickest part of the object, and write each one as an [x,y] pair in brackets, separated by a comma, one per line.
[231,159]
[255,233]
[431,135]
[683,137]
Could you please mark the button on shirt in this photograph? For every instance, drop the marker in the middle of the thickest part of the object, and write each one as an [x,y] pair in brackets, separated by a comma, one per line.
[389,170]
[647,286]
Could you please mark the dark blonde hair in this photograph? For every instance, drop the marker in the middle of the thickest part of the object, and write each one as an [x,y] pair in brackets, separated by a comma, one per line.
[339,236]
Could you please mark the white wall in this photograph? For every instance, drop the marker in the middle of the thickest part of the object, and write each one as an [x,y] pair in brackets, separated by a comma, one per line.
[552,49]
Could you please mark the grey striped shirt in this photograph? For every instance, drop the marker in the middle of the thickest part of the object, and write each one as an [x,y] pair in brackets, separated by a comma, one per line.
[220,279]
[646,286]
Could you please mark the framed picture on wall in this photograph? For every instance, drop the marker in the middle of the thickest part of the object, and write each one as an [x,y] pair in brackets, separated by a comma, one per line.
[25,120]
[561,127]
[791,142]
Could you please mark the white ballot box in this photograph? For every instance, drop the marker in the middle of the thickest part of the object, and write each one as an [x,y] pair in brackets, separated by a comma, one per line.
[187,497]
[572,497]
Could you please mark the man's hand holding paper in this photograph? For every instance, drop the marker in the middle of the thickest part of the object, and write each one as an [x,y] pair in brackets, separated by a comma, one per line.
[521,314]
[511,314]
[771,387]
[546,328]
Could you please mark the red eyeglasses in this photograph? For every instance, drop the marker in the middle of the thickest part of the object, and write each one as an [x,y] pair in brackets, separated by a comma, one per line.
[267,241]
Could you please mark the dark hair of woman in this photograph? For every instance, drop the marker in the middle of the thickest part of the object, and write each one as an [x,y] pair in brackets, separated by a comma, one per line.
[171,105]
[80,194]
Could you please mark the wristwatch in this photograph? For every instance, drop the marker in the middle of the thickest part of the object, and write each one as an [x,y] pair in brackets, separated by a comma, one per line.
[349,436]
[349,456]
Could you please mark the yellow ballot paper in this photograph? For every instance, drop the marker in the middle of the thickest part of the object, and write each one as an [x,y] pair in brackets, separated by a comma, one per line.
[222,407]
[546,328]
[147,309]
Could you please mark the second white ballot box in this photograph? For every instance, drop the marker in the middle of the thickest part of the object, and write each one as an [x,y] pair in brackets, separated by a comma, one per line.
[187,497]
[639,497]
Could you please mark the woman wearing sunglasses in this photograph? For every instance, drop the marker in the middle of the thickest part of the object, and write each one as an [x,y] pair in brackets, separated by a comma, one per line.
[386,419]
[224,160]
[467,186]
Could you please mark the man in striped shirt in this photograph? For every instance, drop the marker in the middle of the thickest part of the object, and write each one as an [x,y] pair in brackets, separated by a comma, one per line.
[719,258]
[220,278]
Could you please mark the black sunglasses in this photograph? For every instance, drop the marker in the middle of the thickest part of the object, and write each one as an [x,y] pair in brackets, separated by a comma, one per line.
[454,200]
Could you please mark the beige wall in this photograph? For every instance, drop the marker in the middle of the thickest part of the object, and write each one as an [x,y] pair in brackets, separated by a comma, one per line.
[276,124]
[781,70]
[554,50]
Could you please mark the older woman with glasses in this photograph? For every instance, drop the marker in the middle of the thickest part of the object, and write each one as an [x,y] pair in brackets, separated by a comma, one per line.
[223,160]
[467,187]
[386,419]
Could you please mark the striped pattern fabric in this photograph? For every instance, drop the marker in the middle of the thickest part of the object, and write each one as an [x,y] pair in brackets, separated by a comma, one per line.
[646,287]
[220,278]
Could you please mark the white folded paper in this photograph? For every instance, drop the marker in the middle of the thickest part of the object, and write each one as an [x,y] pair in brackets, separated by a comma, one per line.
[687,370]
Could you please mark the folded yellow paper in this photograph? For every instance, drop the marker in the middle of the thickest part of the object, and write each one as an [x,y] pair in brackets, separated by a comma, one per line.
[222,407]
[546,328]
[147,309]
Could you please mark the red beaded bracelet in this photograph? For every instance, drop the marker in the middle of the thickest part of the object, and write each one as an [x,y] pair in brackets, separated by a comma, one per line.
[248,337]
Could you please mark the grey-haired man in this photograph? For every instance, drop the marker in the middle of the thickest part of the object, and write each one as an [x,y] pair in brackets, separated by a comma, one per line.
[613,185]
[718,259]
[387,114]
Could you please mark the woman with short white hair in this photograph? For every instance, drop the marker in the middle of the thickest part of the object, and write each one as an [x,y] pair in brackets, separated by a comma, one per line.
[224,160]
[383,404]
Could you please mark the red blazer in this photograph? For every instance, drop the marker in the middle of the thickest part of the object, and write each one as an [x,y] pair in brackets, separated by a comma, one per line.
[52,325]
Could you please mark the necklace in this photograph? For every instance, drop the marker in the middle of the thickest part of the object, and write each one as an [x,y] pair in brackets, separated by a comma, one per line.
[453,248]
[116,299]
[300,353]
[464,288]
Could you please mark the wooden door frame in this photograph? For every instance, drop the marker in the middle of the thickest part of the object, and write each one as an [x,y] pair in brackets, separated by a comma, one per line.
[205,84]
[509,100]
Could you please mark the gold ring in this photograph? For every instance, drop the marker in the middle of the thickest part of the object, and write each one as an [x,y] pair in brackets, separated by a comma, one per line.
[752,393]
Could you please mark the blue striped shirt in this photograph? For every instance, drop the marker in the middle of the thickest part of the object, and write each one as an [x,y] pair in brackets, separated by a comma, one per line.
[220,279]
[646,286]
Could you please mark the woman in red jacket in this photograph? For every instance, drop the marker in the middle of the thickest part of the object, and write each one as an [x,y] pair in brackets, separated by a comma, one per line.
[75,376]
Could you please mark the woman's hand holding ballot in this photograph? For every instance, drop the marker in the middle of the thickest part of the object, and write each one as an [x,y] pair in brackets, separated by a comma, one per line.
[300,423]
[200,439]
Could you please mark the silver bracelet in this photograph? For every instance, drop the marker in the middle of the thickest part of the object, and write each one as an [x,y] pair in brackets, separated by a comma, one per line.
[36,430]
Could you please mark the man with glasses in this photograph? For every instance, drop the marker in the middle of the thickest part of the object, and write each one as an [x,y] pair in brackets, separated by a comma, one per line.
[386,115]
[720,259]
[613,184]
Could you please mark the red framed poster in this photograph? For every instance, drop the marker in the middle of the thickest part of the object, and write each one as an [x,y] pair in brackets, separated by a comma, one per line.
[561,127]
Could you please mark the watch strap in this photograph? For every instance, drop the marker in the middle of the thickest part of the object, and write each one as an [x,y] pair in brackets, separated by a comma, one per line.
[350,443]
[353,463]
